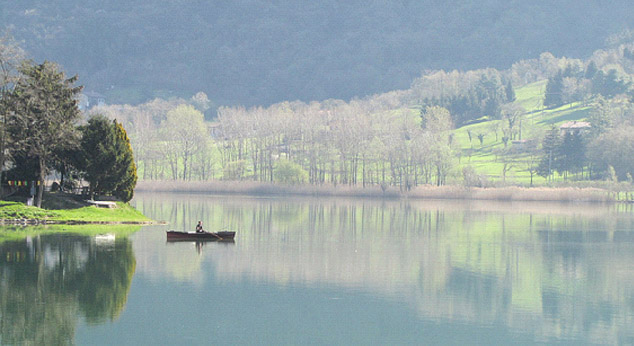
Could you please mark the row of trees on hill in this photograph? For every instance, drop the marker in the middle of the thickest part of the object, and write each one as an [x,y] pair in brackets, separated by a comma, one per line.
[468,96]
[576,84]
[42,132]
[606,73]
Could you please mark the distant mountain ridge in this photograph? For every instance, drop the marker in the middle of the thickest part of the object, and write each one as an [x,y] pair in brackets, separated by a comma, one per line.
[261,52]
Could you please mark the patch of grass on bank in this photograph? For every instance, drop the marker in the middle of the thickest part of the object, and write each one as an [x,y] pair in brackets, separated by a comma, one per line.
[60,208]
[17,210]
[122,213]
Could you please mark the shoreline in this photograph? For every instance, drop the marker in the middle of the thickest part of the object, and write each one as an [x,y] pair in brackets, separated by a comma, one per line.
[47,222]
[15,213]
[449,192]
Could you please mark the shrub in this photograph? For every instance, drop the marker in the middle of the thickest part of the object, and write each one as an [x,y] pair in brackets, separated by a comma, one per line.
[289,172]
[473,179]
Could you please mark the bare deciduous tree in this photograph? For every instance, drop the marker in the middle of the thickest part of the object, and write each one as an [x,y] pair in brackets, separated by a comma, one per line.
[181,131]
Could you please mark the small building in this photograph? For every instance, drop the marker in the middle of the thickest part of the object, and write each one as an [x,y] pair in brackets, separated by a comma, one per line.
[574,127]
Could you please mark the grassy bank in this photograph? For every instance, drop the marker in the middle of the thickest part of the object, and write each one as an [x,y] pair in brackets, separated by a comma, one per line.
[62,209]
[510,193]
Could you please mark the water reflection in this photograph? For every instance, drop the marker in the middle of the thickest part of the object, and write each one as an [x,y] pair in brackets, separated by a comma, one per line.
[553,271]
[184,245]
[48,281]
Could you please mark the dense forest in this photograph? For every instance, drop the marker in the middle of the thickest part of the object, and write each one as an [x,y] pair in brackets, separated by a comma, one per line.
[258,52]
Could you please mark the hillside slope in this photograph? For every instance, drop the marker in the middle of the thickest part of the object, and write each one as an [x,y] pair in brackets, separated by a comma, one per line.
[258,52]
[487,158]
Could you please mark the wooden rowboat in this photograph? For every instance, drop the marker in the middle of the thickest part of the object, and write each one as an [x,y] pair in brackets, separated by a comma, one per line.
[208,236]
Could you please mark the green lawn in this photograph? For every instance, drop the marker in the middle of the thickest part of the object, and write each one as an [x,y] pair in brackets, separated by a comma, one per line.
[534,123]
[71,215]
[124,213]
[531,96]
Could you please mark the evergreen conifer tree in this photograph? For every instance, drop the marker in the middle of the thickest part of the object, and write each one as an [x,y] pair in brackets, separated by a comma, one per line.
[571,153]
[108,158]
[550,147]
[510,92]
[97,146]
[125,166]
[591,70]
[554,89]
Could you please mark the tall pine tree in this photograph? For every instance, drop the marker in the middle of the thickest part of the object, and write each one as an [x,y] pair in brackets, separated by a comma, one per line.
[42,115]
[571,153]
[126,168]
[550,147]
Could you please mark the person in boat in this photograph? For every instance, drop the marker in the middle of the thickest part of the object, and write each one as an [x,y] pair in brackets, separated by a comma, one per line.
[199,227]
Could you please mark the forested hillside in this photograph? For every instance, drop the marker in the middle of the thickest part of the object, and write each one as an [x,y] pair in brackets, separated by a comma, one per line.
[257,52]
[482,127]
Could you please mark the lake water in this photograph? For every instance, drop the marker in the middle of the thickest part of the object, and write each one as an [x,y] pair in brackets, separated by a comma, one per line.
[328,271]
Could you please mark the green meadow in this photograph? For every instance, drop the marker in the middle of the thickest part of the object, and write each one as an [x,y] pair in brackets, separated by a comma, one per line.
[491,157]
[123,213]
[66,217]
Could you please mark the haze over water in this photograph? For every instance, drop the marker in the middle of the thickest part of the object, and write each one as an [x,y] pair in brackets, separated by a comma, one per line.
[333,271]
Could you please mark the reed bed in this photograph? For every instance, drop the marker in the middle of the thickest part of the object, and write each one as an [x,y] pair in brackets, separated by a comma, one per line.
[514,193]
[260,188]
[508,193]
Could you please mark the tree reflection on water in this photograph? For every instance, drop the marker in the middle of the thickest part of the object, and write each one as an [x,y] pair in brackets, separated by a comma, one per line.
[48,281]
[555,271]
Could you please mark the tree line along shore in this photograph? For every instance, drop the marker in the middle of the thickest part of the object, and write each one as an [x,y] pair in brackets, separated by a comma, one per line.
[550,121]
[544,122]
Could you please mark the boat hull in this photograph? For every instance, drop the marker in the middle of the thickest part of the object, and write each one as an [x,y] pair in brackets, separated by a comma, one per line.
[207,236]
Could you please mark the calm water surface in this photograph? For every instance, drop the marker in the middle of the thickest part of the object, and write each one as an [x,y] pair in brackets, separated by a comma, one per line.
[329,271]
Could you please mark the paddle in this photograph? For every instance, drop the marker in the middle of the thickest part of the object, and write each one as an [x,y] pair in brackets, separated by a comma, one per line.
[215,235]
